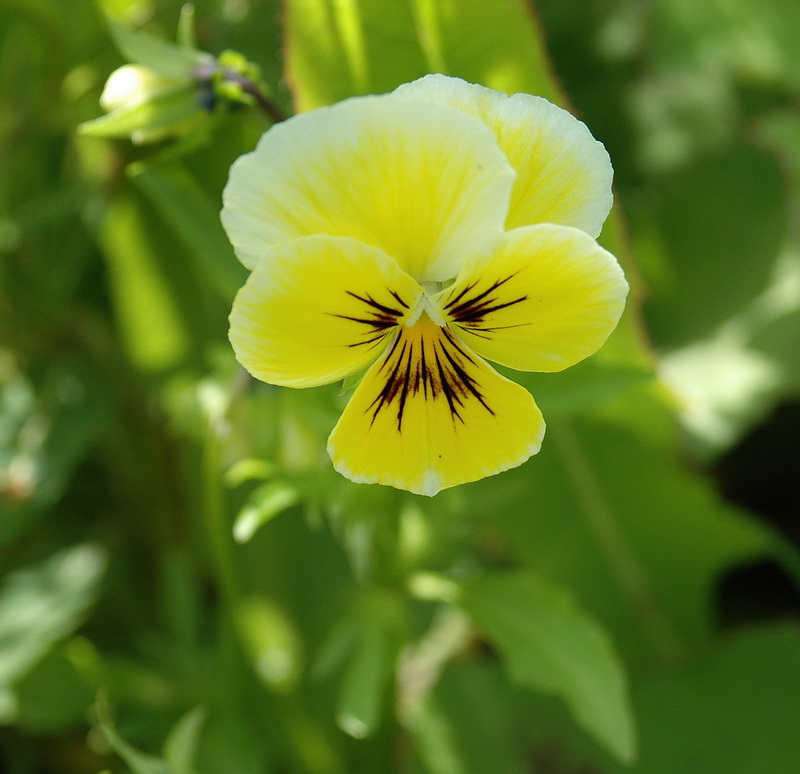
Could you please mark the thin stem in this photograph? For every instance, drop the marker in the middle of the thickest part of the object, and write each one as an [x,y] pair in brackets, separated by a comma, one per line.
[205,75]
[219,533]
[268,107]
[221,544]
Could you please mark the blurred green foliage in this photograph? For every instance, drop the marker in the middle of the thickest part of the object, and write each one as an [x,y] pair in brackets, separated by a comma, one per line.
[186,584]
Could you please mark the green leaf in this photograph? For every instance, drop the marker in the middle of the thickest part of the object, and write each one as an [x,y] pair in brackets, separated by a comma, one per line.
[734,710]
[374,640]
[138,761]
[153,332]
[362,693]
[472,703]
[40,605]
[434,735]
[729,381]
[249,469]
[551,645]
[335,647]
[272,642]
[54,696]
[639,539]
[155,114]
[143,48]
[722,223]
[194,219]
[187,39]
[264,504]
[181,744]
[336,50]
[583,386]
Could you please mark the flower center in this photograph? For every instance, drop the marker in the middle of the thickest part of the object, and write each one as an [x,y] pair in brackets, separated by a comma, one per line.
[428,306]
[426,361]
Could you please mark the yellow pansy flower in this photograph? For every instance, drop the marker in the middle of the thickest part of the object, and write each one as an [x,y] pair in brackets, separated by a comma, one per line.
[419,234]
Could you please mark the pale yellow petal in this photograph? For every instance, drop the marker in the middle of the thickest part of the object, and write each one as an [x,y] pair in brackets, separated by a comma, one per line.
[320,308]
[424,182]
[564,174]
[549,298]
[430,415]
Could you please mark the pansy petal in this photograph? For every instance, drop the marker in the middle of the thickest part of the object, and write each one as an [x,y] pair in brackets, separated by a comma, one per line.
[319,309]
[430,415]
[424,182]
[547,299]
[564,174]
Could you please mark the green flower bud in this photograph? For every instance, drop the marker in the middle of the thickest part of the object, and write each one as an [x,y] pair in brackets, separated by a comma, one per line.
[146,106]
[170,90]
[134,83]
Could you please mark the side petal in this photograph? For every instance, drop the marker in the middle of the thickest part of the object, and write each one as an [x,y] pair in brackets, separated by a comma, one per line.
[430,415]
[564,174]
[424,182]
[320,308]
[547,299]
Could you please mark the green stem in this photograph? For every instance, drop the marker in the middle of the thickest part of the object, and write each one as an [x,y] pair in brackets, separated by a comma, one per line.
[268,107]
[219,533]
[221,544]
[620,554]
[206,73]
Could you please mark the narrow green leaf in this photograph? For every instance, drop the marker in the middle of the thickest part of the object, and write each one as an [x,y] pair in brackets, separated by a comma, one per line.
[249,469]
[138,761]
[548,643]
[362,692]
[187,39]
[336,646]
[181,744]
[143,48]
[194,219]
[434,737]
[272,642]
[153,332]
[264,504]
[154,114]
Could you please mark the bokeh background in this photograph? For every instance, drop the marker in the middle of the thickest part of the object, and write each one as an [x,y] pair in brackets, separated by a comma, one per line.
[187,585]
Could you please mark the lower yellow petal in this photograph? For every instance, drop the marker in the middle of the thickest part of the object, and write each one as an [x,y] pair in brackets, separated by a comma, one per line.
[548,298]
[318,309]
[430,415]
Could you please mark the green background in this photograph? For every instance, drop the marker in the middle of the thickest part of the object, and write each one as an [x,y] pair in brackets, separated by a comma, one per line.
[186,584]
